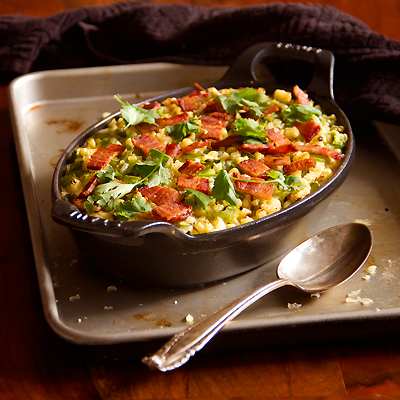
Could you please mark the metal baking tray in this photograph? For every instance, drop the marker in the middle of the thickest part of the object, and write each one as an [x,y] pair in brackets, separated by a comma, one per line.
[48,109]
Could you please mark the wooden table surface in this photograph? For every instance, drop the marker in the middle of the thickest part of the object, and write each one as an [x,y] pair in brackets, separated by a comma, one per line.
[36,364]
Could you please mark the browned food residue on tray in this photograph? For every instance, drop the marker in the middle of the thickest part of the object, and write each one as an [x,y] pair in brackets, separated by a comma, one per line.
[66,125]
[150,317]
[35,107]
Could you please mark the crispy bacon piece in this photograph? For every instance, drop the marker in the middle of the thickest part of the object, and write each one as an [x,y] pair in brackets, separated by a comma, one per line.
[211,127]
[314,148]
[277,137]
[160,194]
[146,142]
[194,182]
[151,106]
[145,127]
[79,203]
[279,144]
[172,212]
[308,130]
[222,116]
[281,149]
[89,187]
[302,97]
[300,165]
[172,150]
[191,167]
[272,161]
[227,142]
[196,145]
[102,156]
[271,109]
[253,147]
[262,189]
[192,101]
[254,168]
[213,106]
[170,121]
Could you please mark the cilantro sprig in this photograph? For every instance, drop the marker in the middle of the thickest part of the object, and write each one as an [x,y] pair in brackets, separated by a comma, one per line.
[286,183]
[300,113]
[133,115]
[256,101]
[131,208]
[250,129]
[154,171]
[182,129]
[193,197]
[223,189]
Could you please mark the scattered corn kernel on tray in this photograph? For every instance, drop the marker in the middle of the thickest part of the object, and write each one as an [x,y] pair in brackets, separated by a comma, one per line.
[49,109]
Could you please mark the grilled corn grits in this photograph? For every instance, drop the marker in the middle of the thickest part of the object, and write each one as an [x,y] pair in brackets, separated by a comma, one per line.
[208,161]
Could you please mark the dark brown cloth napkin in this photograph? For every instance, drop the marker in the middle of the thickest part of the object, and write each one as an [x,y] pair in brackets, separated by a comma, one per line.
[367,68]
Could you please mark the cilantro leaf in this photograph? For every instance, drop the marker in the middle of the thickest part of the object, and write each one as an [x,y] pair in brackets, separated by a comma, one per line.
[293,184]
[300,113]
[89,205]
[106,194]
[105,176]
[107,140]
[155,169]
[200,198]
[182,129]
[249,128]
[288,183]
[249,97]
[223,188]
[133,115]
[131,208]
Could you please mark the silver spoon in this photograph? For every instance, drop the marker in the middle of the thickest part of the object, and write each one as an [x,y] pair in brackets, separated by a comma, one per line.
[320,263]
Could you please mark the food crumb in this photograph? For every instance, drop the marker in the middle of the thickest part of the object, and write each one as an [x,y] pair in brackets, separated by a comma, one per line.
[108,307]
[189,319]
[354,293]
[76,297]
[367,277]
[372,269]
[176,302]
[111,288]
[79,320]
[317,295]
[293,306]
[365,301]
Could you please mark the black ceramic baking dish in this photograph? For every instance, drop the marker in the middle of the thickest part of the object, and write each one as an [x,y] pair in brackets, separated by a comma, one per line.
[159,254]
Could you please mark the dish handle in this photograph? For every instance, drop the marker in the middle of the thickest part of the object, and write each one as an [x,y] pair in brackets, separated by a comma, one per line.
[68,215]
[321,83]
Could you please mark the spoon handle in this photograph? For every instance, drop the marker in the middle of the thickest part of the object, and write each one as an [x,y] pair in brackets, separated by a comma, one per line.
[185,344]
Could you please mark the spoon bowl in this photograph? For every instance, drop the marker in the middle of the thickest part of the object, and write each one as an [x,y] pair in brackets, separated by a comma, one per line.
[327,259]
[322,262]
